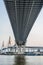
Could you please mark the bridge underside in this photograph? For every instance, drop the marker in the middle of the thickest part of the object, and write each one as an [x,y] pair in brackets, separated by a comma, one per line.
[22,14]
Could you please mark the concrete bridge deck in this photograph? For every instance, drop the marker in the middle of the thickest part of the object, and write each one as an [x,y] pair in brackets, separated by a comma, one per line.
[27,50]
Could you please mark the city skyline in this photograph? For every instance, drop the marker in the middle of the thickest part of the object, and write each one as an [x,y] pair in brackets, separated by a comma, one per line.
[36,34]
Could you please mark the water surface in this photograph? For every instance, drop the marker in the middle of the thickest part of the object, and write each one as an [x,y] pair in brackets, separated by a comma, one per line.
[21,60]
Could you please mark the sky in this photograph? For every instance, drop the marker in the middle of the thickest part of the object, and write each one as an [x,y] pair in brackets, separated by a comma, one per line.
[35,38]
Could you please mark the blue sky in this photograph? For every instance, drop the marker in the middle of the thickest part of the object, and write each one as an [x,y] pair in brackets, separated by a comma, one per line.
[36,35]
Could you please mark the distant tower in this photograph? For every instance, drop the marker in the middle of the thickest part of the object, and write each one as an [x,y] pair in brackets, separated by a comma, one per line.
[9,42]
[3,44]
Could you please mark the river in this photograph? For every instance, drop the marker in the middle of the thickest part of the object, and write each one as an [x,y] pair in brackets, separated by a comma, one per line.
[21,60]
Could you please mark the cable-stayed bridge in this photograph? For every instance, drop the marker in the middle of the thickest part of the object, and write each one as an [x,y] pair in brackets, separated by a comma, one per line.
[22,15]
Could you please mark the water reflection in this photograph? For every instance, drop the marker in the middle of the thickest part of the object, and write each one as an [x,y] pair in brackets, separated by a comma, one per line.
[19,60]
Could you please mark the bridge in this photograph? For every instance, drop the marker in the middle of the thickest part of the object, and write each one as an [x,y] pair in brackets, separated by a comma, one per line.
[30,51]
[22,15]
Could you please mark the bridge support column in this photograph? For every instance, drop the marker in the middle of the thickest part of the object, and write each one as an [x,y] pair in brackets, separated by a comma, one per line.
[21,47]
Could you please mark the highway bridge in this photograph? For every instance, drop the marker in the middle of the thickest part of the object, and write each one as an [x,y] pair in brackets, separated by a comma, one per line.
[22,15]
[33,51]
